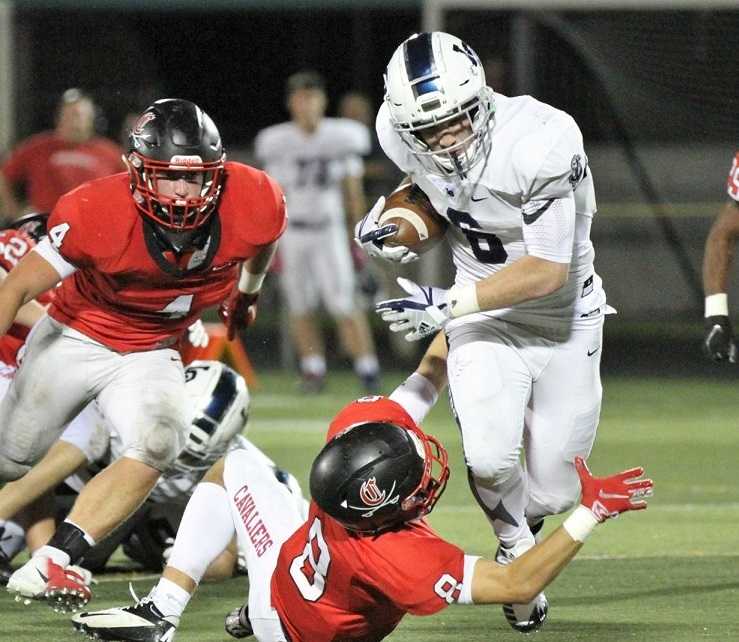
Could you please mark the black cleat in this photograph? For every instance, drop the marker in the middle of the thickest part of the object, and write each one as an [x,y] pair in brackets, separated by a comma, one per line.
[237,623]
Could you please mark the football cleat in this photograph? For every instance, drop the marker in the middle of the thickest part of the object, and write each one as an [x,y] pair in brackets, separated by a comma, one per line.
[312,384]
[63,589]
[140,622]
[371,383]
[237,623]
[523,617]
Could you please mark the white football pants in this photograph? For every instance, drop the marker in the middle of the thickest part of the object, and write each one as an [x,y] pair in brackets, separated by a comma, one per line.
[511,390]
[142,394]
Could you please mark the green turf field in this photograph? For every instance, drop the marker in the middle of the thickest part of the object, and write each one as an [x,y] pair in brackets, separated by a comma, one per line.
[670,574]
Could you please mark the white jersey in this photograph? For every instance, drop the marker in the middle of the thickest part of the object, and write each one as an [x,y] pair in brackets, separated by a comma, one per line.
[533,195]
[310,168]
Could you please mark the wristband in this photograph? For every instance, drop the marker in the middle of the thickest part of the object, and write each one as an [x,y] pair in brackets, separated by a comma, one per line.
[250,283]
[579,524]
[717,305]
[463,300]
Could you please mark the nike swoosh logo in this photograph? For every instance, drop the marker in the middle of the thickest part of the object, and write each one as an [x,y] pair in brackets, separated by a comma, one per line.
[477,200]
[590,354]
[530,218]
[43,577]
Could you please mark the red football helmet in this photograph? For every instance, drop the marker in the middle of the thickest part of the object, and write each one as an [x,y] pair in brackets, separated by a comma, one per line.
[175,137]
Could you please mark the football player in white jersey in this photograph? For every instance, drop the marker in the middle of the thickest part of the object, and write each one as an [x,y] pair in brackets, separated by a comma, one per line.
[318,163]
[524,316]
[219,404]
[719,343]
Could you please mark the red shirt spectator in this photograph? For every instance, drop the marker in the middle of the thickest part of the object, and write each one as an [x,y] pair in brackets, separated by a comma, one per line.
[52,163]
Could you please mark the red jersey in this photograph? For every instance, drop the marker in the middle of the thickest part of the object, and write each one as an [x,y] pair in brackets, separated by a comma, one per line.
[732,183]
[51,166]
[14,245]
[125,294]
[330,584]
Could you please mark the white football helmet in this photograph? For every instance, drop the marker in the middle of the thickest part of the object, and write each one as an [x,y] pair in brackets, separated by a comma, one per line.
[219,404]
[432,79]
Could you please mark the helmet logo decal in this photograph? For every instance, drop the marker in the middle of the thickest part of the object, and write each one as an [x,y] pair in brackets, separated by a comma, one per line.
[370,494]
[145,118]
[374,498]
[467,51]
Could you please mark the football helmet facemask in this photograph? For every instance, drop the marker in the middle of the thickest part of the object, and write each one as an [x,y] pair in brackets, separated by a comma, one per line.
[33,224]
[376,475]
[435,80]
[219,404]
[175,138]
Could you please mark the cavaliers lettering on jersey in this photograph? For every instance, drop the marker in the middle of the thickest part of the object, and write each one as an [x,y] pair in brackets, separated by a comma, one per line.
[124,294]
[732,183]
[14,245]
[502,213]
[331,585]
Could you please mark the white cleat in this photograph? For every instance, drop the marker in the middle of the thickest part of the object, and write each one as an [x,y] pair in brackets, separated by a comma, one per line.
[64,589]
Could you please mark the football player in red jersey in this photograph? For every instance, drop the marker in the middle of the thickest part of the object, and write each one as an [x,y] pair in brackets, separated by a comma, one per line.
[139,256]
[719,343]
[366,556]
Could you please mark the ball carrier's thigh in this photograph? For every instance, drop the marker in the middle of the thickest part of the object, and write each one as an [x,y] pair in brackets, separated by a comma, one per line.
[490,385]
[562,419]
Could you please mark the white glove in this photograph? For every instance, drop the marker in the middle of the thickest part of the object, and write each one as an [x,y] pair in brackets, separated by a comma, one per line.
[197,335]
[369,236]
[424,312]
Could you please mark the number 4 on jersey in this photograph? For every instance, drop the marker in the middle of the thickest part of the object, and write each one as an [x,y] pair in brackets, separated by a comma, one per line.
[57,234]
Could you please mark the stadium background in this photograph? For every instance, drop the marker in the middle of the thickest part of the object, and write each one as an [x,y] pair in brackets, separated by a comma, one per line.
[654,88]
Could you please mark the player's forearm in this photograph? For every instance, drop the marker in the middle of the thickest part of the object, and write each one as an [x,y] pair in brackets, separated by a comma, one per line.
[526,279]
[254,269]
[29,313]
[526,576]
[433,362]
[11,300]
[719,250]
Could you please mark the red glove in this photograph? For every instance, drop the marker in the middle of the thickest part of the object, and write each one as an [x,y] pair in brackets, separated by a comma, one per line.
[610,496]
[238,310]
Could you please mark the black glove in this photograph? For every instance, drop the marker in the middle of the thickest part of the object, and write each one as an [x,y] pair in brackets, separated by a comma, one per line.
[718,342]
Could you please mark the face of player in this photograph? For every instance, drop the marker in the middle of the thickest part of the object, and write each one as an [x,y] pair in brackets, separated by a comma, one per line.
[448,134]
[76,121]
[307,107]
[180,185]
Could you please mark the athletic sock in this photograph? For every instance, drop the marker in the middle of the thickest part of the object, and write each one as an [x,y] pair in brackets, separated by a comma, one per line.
[169,598]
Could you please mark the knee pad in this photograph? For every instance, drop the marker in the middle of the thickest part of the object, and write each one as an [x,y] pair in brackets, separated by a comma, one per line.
[493,469]
[11,470]
[543,503]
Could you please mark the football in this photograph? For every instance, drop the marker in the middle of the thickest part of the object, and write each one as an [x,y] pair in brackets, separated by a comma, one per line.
[420,226]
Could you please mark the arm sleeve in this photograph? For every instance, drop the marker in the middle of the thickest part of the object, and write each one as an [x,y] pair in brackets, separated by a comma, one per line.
[49,253]
[390,141]
[551,233]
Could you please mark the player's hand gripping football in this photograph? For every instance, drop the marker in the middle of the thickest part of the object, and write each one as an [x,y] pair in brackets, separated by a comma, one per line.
[370,236]
[238,310]
[423,312]
[718,342]
[610,496]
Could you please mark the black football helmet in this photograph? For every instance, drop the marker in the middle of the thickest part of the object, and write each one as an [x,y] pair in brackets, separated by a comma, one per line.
[376,475]
[33,224]
[175,135]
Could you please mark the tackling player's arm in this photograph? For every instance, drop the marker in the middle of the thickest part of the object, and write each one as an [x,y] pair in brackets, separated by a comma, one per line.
[32,276]
[526,576]
[240,308]
[29,312]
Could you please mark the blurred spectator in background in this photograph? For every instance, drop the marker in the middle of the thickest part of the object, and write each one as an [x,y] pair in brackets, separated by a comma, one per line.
[318,163]
[51,163]
[719,343]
